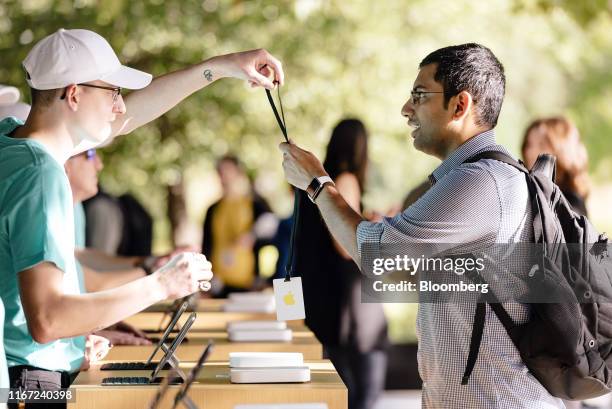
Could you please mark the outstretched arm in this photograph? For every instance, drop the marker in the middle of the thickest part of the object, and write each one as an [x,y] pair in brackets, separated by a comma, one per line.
[53,314]
[166,91]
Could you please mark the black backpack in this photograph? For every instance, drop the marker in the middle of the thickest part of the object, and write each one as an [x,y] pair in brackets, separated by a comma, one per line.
[566,346]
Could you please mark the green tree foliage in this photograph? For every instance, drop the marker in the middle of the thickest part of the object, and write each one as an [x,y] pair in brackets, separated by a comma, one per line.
[341,58]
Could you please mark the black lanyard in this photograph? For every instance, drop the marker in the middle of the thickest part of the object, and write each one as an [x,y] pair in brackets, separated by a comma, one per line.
[281,123]
[290,266]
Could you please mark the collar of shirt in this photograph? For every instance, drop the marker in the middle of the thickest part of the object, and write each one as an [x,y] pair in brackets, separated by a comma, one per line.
[468,149]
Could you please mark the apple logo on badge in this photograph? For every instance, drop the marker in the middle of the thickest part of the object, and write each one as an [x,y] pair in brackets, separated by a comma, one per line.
[288,298]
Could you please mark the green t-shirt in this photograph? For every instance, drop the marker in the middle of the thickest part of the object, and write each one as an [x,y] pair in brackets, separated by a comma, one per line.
[79,226]
[79,240]
[36,225]
[4,377]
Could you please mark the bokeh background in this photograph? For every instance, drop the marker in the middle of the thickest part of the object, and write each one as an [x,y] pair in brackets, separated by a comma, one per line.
[342,58]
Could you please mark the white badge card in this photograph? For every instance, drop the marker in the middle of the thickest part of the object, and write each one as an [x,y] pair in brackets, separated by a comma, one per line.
[289,299]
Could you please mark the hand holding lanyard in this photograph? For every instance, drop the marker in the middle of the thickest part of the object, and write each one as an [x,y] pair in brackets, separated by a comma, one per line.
[288,293]
[289,267]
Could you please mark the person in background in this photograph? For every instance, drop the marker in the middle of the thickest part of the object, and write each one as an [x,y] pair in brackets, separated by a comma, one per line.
[118,225]
[236,227]
[104,227]
[10,104]
[353,334]
[82,171]
[9,97]
[560,137]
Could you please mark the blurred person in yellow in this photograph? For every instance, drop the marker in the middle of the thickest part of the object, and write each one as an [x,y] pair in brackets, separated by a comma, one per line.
[235,228]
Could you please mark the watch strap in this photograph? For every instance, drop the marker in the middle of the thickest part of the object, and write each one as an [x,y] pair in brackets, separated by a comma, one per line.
[316,187]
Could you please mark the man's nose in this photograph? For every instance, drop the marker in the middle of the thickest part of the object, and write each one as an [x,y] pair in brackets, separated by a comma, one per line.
[119,106]
[408,109]
[98,163]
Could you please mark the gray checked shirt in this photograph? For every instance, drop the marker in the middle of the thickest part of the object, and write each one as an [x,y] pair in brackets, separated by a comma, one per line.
[478,203]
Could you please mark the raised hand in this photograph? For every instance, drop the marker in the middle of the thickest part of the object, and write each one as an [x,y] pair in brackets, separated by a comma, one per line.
[300,166]
[185,274]
[254,66]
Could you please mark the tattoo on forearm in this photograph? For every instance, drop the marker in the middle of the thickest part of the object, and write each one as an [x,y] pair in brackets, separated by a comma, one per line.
[208,75]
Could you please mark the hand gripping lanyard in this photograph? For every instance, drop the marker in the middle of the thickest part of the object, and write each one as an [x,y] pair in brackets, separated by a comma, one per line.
[290,266]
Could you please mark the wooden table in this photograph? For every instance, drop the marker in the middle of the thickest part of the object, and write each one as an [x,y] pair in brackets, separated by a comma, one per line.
[212,390]
[303,341]
[206,320]
[203,305]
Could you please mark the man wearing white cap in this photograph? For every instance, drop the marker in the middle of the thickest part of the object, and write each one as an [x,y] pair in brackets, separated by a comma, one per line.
[76,82]
[8,95]
[10,105]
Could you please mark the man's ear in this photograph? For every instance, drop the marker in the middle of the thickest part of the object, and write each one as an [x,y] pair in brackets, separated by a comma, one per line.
[73,97]
[463,104]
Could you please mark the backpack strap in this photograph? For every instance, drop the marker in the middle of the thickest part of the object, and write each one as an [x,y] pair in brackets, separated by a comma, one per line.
[479,323]
[477,330]
[498,309]
[498,156]
[536,207]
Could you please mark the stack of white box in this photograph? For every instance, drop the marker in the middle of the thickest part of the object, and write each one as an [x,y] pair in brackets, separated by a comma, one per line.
[250,302]
[268,367]
[283,406]
[266,331]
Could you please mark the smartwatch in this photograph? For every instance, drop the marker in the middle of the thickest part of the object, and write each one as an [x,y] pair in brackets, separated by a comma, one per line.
[147,264]
[316,186]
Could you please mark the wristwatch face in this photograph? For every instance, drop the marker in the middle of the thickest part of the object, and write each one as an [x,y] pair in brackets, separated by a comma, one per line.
[312,188]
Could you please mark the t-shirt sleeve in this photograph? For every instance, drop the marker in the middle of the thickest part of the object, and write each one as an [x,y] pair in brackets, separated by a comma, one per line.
[40,223]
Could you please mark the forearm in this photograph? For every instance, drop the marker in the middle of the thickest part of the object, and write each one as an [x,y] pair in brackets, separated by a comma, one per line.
[71,315]
[101,261]
[104,280]
[341,220]
[164,93]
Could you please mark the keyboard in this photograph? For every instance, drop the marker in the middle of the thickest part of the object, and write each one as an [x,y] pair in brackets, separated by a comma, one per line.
[126,380]
[137,380]
[132,366]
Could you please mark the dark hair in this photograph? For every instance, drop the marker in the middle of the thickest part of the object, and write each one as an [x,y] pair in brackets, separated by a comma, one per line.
[347,150]
[472,68]
[43,98]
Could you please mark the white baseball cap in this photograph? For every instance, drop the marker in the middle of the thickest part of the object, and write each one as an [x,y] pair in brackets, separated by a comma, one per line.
[19,110]
[76,56]
[8,95]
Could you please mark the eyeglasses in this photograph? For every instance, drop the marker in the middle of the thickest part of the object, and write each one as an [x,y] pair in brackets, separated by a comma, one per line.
[90,154]
[116,91]
[416,97]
